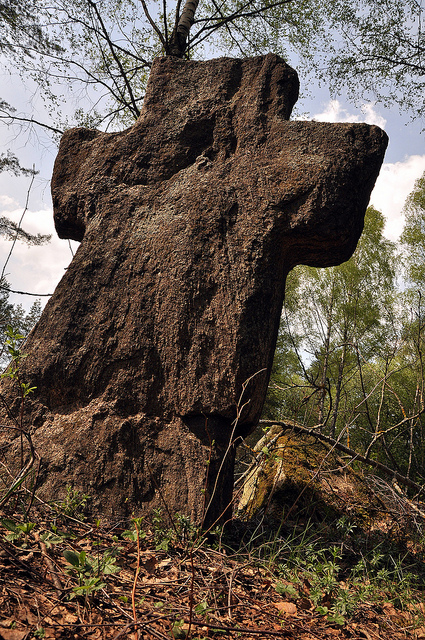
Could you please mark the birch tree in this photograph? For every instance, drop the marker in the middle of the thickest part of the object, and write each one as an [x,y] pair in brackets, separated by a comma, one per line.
[339,321]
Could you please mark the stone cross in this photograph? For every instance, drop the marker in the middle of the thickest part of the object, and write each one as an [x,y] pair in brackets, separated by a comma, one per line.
[154,354]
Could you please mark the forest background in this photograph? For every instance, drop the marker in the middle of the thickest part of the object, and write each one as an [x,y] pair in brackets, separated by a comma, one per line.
[350,355]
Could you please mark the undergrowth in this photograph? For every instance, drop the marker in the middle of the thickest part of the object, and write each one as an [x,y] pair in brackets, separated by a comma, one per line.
[185,581]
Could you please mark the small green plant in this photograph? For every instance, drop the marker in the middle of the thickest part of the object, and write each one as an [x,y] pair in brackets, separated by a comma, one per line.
[18,532]
[178,630]
[74,504]
[332,616]
[89,571]
[287,590]
[345,526]
[182,531]
[203,609]
[162,535]
[12,344]
[53,537]
[185,528]
[136,532]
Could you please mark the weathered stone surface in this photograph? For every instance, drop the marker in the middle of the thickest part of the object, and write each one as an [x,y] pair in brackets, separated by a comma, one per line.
[189,223]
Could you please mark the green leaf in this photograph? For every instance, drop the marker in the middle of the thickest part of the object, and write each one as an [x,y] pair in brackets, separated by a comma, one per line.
[50,539]
[286,590]
[202,608]
[26,527]
[72,557]
[336,618]
[10,525]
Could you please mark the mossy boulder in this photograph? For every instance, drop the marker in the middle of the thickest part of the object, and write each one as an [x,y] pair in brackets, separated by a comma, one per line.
[297,475]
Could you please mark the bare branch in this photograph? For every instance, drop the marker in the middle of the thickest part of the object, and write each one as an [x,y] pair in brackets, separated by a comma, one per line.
[26,293]
[153,24]
[116,58]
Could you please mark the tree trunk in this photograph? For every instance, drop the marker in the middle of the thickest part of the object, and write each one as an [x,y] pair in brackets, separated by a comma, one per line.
[339,383]
[178,40]
[325,363]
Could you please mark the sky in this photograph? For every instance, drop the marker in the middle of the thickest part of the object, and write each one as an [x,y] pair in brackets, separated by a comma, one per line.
[39,269]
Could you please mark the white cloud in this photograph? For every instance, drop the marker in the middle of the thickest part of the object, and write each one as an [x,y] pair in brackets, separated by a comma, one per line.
[40,221]
[8,204]
[395,182]
[373,117]
[31,268]
[335,112]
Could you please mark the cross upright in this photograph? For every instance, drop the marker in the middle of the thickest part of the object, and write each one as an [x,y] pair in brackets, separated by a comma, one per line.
[154,354]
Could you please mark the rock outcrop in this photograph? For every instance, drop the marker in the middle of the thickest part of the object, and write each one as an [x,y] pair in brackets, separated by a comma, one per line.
[154,352]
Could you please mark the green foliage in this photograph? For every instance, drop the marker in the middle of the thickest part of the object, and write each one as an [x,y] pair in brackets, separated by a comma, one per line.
[375,52]
[14,318]
[21,30]
[334,317]
[13,348]
[178,631]
[89,571]
[18,531]
[74,504]
[9,162]
[352,360]
[166,535]
[310,565]
[9,229]
[136,532]
[202,609]
[53,537]
[12,343]
[413,236]
[103,51]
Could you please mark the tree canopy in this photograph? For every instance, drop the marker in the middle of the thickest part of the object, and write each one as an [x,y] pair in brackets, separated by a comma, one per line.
[106,48]
[413,236]
[97,54]
[376,52]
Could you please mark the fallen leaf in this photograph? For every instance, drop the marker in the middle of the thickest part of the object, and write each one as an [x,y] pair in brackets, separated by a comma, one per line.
[149,564]
[6,622]
[286,607]
[165,563]
[13,634]
[70,618]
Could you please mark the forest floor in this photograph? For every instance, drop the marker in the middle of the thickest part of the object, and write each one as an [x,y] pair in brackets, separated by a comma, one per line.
[60,578]
[317,573]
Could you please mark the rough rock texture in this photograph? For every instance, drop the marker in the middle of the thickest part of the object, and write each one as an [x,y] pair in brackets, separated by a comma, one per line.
[189,222]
